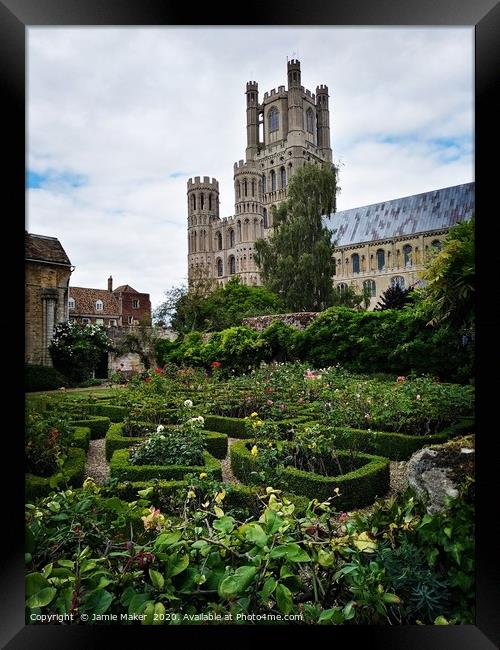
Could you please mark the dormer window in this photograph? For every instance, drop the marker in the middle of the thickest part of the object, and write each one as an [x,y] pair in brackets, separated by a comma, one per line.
[71,303]
[99,306]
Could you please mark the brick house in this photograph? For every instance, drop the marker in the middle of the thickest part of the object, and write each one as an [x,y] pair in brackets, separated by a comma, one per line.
[122,307]
[47,274]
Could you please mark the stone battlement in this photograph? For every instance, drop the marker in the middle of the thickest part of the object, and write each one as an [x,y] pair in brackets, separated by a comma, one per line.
[205,183]
[322,89]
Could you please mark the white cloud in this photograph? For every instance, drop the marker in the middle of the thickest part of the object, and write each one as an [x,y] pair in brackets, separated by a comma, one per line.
[130,108]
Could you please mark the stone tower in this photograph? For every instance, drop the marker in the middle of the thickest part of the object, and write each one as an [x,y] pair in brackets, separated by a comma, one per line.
[290,127]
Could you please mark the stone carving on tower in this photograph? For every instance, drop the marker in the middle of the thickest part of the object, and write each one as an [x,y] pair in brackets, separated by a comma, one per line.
[290,127]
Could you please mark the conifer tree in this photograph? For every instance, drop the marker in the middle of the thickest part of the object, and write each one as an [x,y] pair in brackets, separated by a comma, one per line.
[297,262]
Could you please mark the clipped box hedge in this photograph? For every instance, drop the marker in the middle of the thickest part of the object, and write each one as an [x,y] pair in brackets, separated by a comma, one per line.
[123,470]
[81,438]
[98,425]
[237,495]
[115,439]
[236,427]
[357,488]
[395,446]
[74,468]
[114,413]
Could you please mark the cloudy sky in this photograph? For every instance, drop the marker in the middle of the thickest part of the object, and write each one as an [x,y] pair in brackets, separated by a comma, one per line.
[119,118]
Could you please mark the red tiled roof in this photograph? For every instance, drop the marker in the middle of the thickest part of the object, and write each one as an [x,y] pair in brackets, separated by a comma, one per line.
[85,300]
[44,249]
[125,288]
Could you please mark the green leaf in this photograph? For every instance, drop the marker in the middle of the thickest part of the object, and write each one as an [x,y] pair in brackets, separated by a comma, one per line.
[440,620]
[137,602]
[180,565]
[272,521]
[149,612]
[35,582]
[29,540]
[159,614]
[41,598]
[157,579]
[349,611]
[284,600]
[238,582]
[46,571]
[225,524]
[391,598]
[69,564]
[98,601]
[146,492]
[167,539]
[255,534]
[292,552]
[333,615]
[268,588]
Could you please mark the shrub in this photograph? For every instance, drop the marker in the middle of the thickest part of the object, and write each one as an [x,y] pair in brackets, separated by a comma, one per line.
[233,427]
[81,438]
[123,470]
[47,438]
[98,425]
[38,378]
[114,413]
[73,471]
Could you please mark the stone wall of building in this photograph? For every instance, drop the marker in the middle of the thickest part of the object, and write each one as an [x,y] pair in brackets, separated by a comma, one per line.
[299,320]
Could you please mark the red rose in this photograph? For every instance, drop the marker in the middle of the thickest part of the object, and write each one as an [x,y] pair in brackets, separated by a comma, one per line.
[215,364]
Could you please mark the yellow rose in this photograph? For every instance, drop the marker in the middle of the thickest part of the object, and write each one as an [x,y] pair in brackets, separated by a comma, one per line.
[203,475]
[254,414]
[254,450]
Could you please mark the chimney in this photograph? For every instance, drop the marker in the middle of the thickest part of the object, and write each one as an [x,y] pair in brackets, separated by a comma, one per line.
[110,283]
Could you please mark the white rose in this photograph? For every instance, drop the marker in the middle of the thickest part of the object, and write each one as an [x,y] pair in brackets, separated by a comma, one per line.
[188,403]
[160,428]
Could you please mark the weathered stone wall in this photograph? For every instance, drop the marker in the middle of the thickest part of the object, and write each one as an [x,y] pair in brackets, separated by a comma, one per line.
[129,364]
[300,320]
[44,284]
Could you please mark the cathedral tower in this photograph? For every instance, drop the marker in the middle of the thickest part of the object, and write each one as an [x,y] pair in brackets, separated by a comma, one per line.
[203,211]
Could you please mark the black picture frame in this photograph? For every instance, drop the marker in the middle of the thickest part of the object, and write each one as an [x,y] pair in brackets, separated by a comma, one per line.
[15,17]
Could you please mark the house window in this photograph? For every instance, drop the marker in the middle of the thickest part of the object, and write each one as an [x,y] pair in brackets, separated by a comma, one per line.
[71,303]
[310,120]
[112,322]
[220,268]
[407,254]
[355,263]
[135,304]
[273,180]
[380,259]
[341,287]
[370,288]
[99,321]
[99,306]
[398,281]
[437,245]
[232,265]
[85,321]
[273,120]
[130,320]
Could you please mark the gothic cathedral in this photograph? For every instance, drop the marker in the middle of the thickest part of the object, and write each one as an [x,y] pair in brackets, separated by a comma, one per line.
[289,128]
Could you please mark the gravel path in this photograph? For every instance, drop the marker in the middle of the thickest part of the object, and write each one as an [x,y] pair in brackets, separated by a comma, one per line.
[227,472]
[96,465]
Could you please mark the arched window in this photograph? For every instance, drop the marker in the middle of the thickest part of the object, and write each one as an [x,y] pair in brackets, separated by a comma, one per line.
[239,230]
[193,201]
[407,255]
[253,187]
[265,217]
[398,281]
[195,242]
[99,306]
[231,238]
[355,263]
[437,245]
[232,265]
[209,201]
[202,201]
[341,287]
[71,303]
[264,184]
[283,177]
[220,268]
[370,288]
[273,118]
[310,120]
[219,241]
[245,192]
[380,259]
[273,180]
[238,189]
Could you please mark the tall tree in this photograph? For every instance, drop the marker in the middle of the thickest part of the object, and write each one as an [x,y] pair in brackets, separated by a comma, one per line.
[297,262]
[394,298]
[449,276]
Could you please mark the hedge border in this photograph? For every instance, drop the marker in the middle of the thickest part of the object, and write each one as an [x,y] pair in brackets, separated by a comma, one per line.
[81,438]
[237,495]
[357,488]
[74,467]
[395,446]
[98,425]
[114,413]
[236,427]
[123,470]
[217,443]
